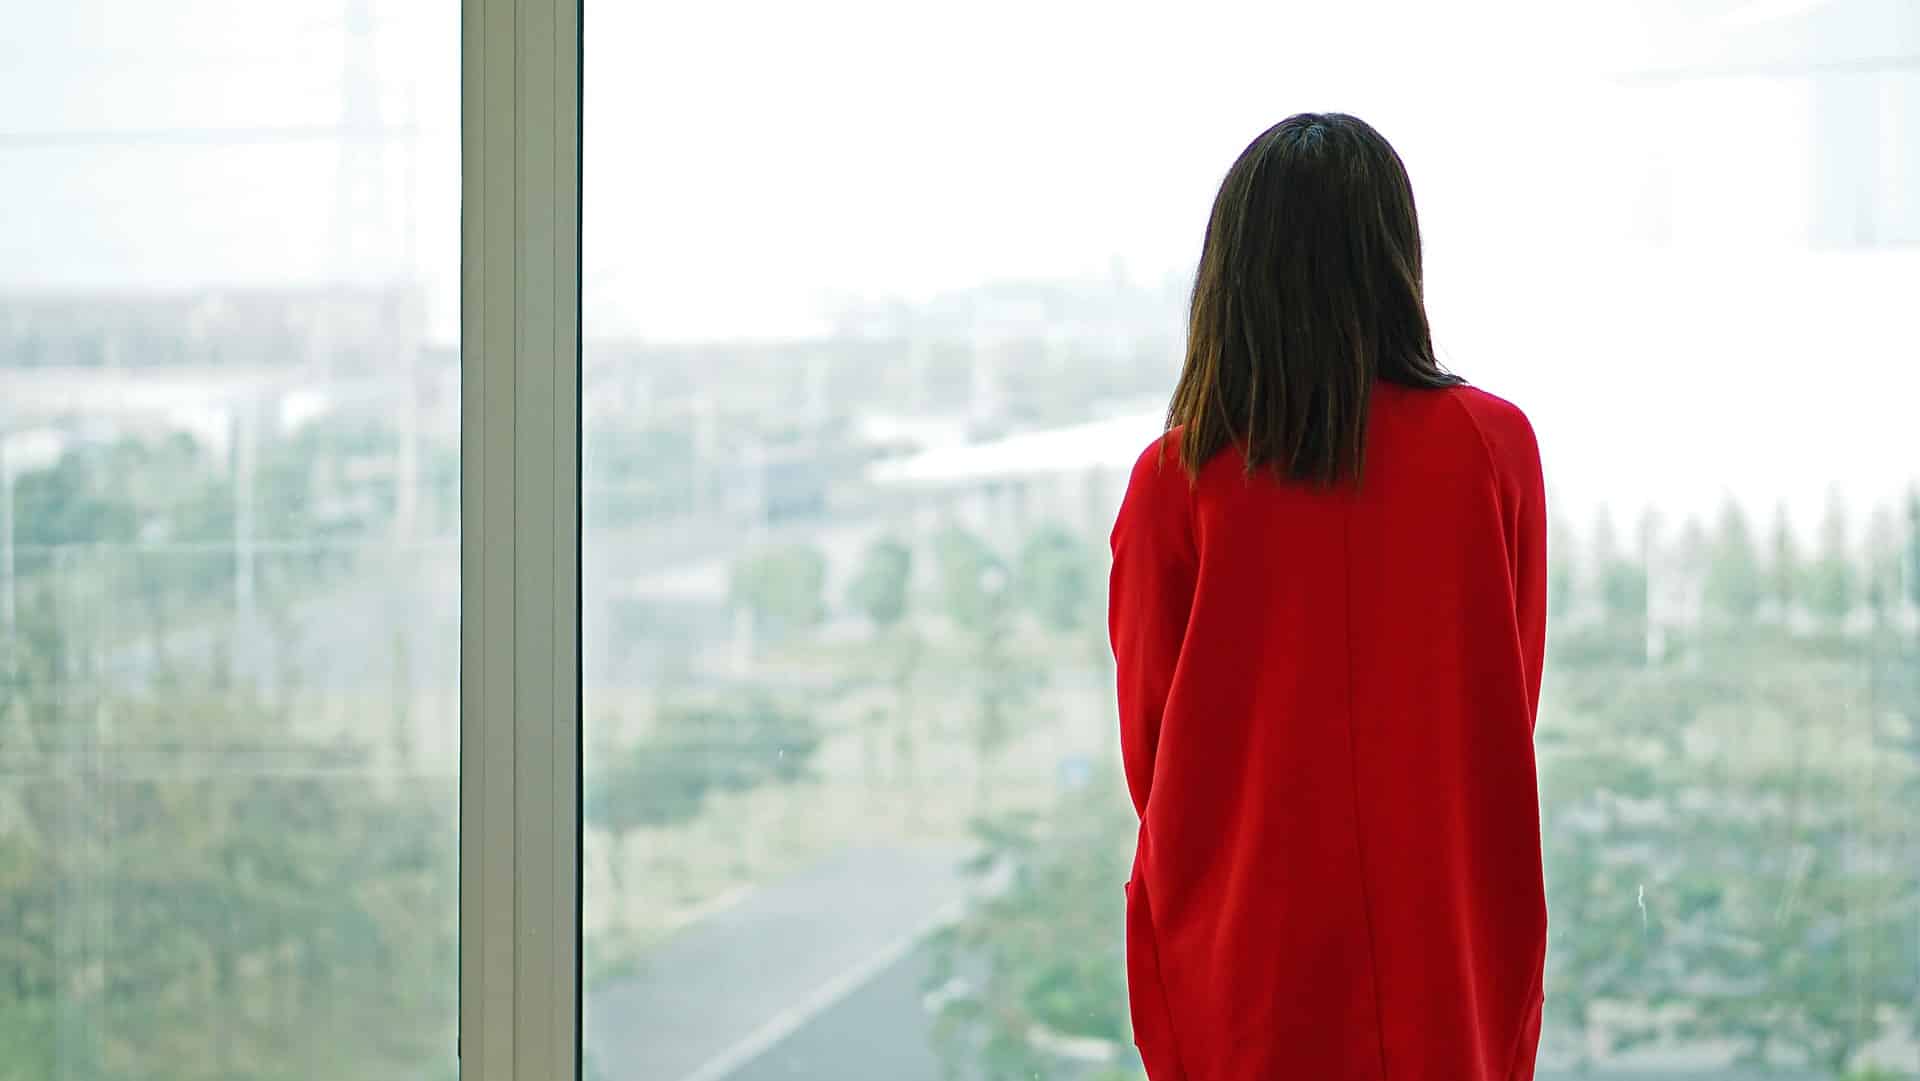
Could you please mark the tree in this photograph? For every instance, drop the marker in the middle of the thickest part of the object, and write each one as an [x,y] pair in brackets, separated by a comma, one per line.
[1622,578]
[880,591]
[1606,962]
[70,502]
[784,588]
[1705,893]
[1733,588]
[181,912]
[901,658]
[230,921]
[1606,590]
[1040,958]
[1832,583]
[970,576]
[880,587]
[697,747]
[1912,573]
[980,601]
[305,924]
[1883,554]
[1616,581]
[1056,579]
[1784,572]
[1773,904]
[1692,552]
[1563,569]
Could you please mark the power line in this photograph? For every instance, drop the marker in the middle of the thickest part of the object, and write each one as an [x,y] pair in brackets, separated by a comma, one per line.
[1870,65]
[237,136]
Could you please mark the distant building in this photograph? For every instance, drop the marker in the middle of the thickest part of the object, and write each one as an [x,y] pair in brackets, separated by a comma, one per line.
[335,331]
[1073,475]
[204,360]
[1831,88]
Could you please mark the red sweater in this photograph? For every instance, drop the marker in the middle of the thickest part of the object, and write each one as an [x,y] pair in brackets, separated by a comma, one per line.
[1327,699]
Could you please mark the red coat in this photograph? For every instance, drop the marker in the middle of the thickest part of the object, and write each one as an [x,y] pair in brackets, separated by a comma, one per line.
[1327,700]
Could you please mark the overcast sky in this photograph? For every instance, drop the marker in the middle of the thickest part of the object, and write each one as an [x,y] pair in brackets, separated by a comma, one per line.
[752,164]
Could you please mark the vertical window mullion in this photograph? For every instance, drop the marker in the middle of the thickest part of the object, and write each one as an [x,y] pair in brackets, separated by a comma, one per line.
[520,551]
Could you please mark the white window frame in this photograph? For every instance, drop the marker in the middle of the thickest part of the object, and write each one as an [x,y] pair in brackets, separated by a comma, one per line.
[520,533]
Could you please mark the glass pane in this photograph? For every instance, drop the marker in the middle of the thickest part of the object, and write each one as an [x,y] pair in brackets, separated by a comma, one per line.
[882,301]
[229,559]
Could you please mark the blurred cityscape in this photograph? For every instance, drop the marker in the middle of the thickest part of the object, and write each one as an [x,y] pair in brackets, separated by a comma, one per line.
[851,796]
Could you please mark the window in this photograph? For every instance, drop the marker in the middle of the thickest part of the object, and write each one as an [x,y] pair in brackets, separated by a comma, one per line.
[229,540]
[453,513]
[881,301]
[1845,91]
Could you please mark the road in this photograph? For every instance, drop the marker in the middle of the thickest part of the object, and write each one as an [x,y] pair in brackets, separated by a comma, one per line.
[818,976]
[880,1032]
[822,977]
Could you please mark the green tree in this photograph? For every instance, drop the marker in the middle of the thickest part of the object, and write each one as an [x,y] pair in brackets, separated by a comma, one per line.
[880,588]
[193,915]
[1607,961]
[1772,903]
[1833,585]
[1056,579]
[697,747]
[1883,555]
[1705,893]
[784,589]
[970,575]
[1784,573]
[901,657]
[72,501]
[1610,593]
[1912,573]
[1622,576]
[1563,569]
[1616,582]
[210,921]
[1041,955]
[1692,551]
[1733,588]
[980,601]
[172,506]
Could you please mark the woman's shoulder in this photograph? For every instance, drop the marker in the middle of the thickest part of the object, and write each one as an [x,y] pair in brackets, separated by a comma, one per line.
[1500,425]
[1488,408]
[1163,463]
[1158,494]
[1159,467]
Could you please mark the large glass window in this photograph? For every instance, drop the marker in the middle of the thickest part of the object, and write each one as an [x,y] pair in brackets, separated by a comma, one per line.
[881,300]
[229,559]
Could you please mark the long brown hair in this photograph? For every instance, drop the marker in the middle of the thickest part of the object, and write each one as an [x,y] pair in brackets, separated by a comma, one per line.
[1308,290]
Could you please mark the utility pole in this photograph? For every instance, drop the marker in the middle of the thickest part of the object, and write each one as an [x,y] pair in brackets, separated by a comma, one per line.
[241,454]
[1653,603]
[9,613]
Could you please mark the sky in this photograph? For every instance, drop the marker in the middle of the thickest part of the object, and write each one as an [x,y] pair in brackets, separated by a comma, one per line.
[1628,263]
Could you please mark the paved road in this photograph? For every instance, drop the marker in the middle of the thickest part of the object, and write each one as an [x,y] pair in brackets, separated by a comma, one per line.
[814,977]
[878,1033]
[822,978]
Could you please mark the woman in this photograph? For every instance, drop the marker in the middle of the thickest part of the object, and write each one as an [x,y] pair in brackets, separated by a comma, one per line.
[1328,609]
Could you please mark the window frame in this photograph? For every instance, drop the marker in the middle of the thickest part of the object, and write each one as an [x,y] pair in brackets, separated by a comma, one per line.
[520,540]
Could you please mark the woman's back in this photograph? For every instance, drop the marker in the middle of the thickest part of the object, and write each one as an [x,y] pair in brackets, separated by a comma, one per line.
[1327,695]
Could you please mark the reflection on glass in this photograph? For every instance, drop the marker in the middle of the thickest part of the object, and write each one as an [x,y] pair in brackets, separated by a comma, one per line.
[883,300]
[229,434]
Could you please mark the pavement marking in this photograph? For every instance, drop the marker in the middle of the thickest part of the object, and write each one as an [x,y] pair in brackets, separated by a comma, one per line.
[790,1020]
